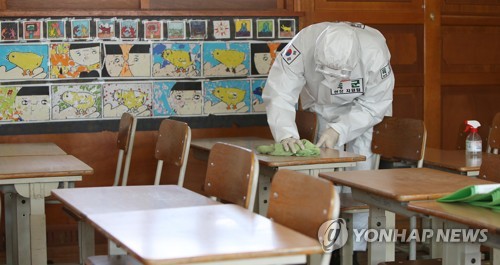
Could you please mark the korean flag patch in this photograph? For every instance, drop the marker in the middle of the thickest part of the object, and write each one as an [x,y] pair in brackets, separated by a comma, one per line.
[290,54]
[385,71]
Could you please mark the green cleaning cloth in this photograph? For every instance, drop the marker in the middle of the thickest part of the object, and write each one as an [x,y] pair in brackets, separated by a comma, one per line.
[278,150]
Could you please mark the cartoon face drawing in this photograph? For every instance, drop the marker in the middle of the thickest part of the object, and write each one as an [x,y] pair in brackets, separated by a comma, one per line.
[32,103]
[185,102]
[85,55]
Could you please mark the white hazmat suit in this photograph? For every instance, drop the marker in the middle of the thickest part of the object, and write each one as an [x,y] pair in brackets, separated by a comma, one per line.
[342,72]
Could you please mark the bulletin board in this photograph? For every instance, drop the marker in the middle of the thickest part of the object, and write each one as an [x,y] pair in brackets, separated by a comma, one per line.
[79,74]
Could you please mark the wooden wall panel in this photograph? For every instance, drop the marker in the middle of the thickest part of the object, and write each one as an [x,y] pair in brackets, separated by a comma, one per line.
[468,7]
[214,5]
[72,4]
[467,102]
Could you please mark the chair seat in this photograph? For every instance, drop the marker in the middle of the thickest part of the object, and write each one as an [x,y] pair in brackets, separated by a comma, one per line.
[414,262]
[111,260]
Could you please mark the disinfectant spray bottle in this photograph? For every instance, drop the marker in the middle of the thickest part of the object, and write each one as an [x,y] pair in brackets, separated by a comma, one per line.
[473,143]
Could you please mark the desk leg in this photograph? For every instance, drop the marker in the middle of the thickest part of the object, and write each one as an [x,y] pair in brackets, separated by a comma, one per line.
[460,253]
[436,247]
[495,256]
[86,235]
[264,185]
[347,250]
[37,239]
[17,212]
[379,251]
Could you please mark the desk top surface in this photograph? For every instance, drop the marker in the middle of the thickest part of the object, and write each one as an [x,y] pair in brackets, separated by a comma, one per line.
[15,167]
[473,216]
[326,156]
[85,201]
[201,234]
[450,159]
[30,149]
[403,184]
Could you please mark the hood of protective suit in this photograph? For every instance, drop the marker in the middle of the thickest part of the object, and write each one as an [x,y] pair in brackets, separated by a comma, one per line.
[337,51]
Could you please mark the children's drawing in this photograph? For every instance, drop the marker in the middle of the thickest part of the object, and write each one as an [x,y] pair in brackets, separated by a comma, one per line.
[263,56]
[257,101]
[177,98]
[243,28]
[198,29]
[286,28]
[24,103]
[222,29]
[226,58]
[265,28]
[23,61]
[56,29]
[105,28]
[180,59]
[76,101]
[153,30]
[127,60]
[129,29]
[33,30]
[226,96]
[80,29]
[134,98]
[75,60]
[176,30]
[10,30]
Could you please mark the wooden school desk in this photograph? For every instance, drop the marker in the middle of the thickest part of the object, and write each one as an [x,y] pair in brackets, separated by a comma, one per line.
[25,182]
[458,215]
[451,160]
[328,160]
[391,190]
[215,234]
[83,202]
[23,149]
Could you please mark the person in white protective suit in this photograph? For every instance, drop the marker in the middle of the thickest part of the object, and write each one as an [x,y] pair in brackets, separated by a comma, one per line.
[342,72]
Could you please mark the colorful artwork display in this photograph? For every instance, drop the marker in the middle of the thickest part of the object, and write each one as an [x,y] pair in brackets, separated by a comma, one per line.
[153,30]
[257,101]
[226,96]
[129,29]
[176,30]
[10,30]
[172,98]
[135,98]
[197,29]
[33,30]
[263,56]
[24,103]
[56,29]
[129,60]
[80,29]
[226,58]
[76,101]
[105,28]
[243,28]
[222,29]
[23,61]
[177,59]
[286,28]
[75,60]
[265,28]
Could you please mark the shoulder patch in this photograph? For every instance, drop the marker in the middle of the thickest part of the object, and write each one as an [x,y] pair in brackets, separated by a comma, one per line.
[385,71]
[290,54]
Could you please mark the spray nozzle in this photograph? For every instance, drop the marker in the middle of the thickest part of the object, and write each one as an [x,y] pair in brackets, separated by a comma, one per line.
[471,125]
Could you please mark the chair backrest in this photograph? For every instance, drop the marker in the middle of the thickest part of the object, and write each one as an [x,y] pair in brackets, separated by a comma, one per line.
[494,136]
[172,148]
[400,139]
[232,174]
[125,144]
[490,167]
[302,202]
[307,124]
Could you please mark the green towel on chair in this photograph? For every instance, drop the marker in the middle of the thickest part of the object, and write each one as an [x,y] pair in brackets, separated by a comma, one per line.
[278,150]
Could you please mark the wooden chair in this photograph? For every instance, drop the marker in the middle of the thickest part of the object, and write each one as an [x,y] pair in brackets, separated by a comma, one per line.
[307,124]
[125,144]
[232,175]
[494,136]
[395,139]
[172,148]
[303,203]
[490,167]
